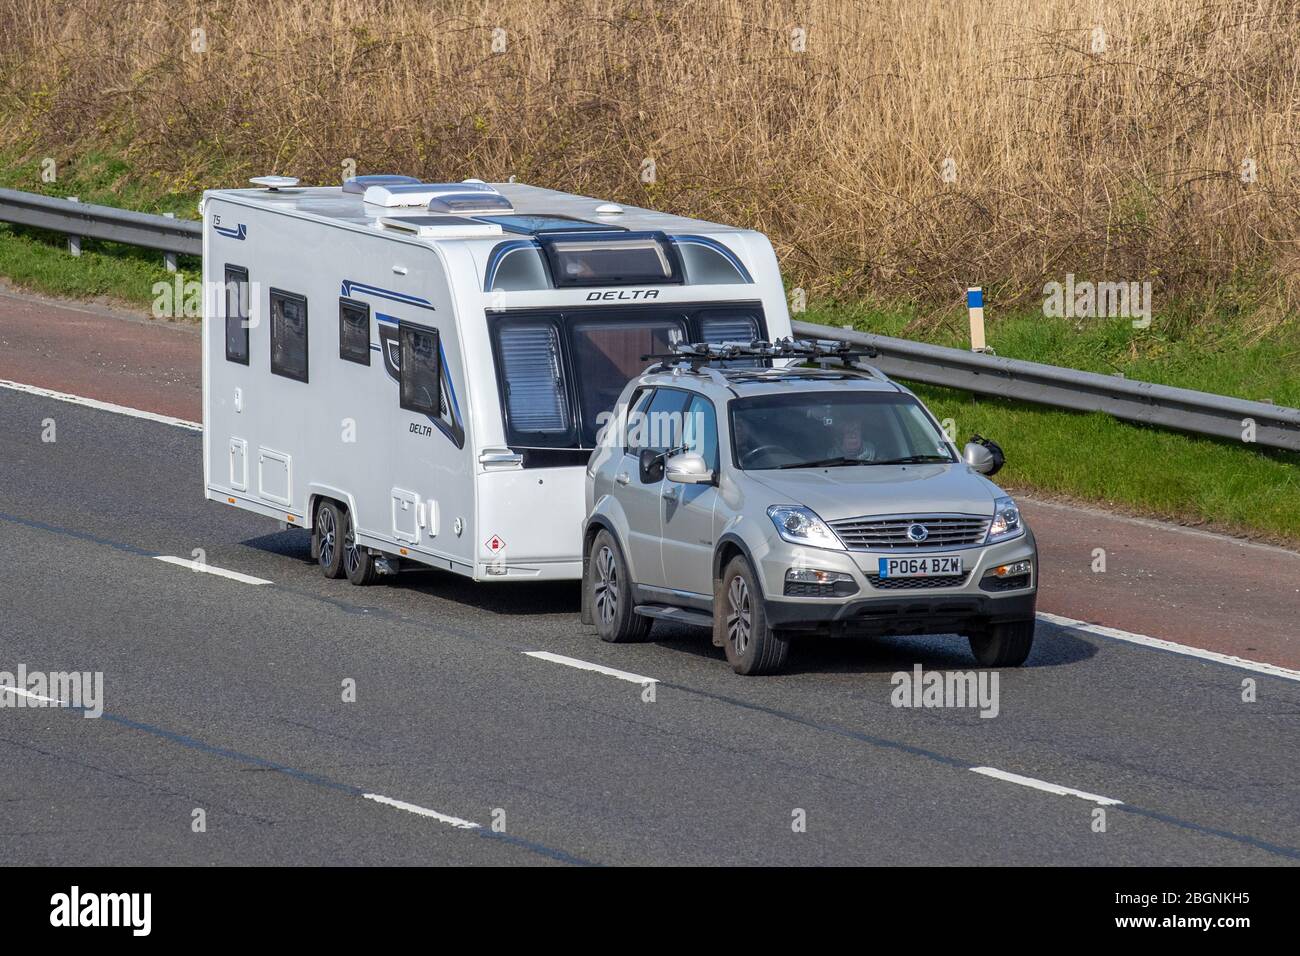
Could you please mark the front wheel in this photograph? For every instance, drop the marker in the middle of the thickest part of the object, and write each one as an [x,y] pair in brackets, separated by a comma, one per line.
[1003,645]
[752,646]
[609,594]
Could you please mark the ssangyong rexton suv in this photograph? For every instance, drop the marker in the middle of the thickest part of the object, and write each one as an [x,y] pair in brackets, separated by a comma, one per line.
[766,503]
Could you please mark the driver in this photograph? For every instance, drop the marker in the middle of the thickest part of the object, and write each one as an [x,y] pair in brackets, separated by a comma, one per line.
[850,441]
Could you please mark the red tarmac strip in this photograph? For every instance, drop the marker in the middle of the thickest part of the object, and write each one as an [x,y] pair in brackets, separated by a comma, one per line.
[1203,590]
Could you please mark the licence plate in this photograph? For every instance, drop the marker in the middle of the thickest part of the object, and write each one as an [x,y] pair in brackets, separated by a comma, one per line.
[933,566]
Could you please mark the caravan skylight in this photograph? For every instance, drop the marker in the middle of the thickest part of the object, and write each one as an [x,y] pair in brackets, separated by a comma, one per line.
[359,184]
[542,224]
[618,259]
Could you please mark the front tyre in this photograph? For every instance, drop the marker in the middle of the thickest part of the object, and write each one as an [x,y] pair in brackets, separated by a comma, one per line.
[609,594]
[752,646]
[1003,645]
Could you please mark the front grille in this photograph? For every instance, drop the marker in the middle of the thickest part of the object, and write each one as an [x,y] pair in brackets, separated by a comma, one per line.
[915,584]
[809,589]
[890,534]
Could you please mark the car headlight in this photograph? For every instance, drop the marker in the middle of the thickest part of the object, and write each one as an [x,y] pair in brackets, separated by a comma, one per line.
[800,525]
[1006,521]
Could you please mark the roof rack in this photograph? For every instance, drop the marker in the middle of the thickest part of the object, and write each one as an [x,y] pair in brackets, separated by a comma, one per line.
[698,355]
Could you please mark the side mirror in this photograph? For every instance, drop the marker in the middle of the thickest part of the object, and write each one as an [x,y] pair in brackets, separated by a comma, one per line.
[984,455]
[651,466]
[689,468]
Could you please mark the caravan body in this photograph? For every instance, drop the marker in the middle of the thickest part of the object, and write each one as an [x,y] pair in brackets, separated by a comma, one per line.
[434,357]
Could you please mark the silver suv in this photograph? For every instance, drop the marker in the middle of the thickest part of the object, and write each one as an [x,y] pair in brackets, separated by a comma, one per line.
[766,502]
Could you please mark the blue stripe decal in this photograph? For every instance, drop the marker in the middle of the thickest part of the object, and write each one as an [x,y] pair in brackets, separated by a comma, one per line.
[351,288]
[240,231]
[718,247]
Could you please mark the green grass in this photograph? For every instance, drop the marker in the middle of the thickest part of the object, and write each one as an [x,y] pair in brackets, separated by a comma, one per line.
[1087,457]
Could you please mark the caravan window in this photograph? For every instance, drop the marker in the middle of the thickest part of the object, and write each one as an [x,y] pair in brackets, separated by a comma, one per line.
[532,383]
[718,326]
[354,331]
[607,355]
[289,335]
[420,370]
[619,260]
[237,314]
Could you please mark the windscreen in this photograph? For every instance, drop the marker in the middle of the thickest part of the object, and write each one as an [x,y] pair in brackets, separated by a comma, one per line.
[829,429]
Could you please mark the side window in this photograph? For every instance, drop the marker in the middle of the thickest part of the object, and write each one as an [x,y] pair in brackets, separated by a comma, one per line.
[700,431]
[533,385]
[289,335]
[421,370]
[634,436]
[660,426]
[354,331]
[237,314]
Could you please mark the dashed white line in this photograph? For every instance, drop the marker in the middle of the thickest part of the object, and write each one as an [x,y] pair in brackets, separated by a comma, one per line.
[210,569]
[1273,670]
[31,696]
[1045,786]
[423,811]
[588,666]
[101,406]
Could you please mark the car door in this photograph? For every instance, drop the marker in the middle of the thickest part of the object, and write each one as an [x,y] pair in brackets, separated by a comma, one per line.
[652,424]
[688,509]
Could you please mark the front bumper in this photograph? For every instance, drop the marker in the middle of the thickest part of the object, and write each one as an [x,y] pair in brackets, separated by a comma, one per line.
[969,606]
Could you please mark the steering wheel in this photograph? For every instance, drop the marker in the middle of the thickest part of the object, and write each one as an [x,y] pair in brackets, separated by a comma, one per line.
[745,459]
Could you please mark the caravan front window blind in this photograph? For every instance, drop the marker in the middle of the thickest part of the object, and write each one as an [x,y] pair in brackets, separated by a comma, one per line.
[537,405]
[724,325]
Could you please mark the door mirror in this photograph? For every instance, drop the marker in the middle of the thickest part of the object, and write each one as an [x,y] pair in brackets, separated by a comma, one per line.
[651,466]
[689,468]
[984,455]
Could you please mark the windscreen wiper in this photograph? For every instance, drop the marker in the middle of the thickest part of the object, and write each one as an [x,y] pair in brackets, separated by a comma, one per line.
[827,462]
[910,460]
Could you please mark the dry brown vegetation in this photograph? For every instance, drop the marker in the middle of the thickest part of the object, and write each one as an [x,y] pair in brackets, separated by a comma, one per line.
[1120,159]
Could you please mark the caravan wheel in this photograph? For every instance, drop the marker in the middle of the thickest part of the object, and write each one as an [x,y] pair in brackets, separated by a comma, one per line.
[330,520]
[358,562]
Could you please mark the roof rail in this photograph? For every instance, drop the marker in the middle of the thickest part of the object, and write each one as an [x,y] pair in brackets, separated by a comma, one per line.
[698,355]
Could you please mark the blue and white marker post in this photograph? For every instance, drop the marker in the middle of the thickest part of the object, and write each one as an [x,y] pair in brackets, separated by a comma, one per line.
[975,305]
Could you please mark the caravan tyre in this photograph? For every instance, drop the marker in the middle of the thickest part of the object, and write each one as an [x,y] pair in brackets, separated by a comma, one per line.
[330,521]
[358,561]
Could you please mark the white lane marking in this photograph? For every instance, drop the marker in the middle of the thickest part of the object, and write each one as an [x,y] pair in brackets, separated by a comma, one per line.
[26,693]
[101,406]
[1273,670]
[1045,786]
[422,811]
[588,666]
[209,569]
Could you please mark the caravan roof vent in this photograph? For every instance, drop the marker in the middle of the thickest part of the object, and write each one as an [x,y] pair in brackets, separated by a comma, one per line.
[273,183]
[467,203]
[609,209]
[420,194]
[441,227]
[359,184]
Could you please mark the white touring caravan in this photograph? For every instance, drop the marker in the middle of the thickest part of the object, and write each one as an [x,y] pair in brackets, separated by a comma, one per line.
[415,371]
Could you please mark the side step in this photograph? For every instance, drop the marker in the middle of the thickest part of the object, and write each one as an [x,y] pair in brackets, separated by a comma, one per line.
[663,612]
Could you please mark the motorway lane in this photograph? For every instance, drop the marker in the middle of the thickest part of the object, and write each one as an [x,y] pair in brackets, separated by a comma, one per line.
[1168,582]
[208,679]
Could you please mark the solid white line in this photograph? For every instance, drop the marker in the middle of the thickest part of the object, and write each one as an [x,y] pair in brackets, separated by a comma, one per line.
[1273,670]
[588,666]
[1045,786]
[101,406]
[209,569]
[422,811]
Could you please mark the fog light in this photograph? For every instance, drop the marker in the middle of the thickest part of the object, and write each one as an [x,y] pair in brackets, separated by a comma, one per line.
[1012,570]
[815,576]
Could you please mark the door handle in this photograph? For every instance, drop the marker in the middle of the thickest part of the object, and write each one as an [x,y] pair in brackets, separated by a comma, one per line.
[622,478]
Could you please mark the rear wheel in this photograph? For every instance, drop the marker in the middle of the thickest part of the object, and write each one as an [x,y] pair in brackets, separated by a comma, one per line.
[330,521]
[609,593]
[1003,645]
[752,646]
[358,562]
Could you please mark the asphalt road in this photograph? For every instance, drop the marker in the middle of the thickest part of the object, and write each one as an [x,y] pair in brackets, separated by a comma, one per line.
[226,696]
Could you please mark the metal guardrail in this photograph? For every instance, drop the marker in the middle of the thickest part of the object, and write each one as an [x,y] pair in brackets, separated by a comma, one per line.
[101,222]
[1178,408]
[1183,409]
